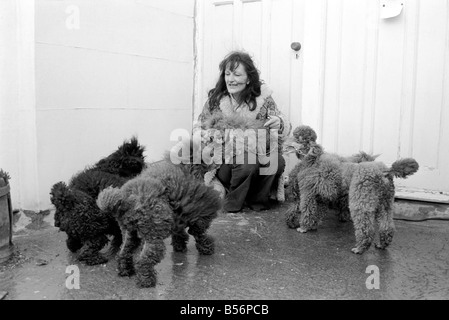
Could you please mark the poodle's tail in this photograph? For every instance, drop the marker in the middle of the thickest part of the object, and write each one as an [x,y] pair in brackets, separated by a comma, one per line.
[108,199]
[61,196]
[403,168]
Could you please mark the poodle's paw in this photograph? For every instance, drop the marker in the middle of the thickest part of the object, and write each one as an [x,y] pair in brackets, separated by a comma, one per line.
[292,221]
[381,246]
[126,272]
[292,216]
[206,245]
[385,239]
[358,250]
[302,230]
[292,224]
[92,261]
[125,267]
[147,281]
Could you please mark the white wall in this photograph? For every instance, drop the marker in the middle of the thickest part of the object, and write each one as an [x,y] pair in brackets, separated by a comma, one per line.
[104,71]
[18,148]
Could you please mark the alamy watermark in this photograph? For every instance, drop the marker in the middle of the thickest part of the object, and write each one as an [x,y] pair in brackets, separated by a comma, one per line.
[373,281]
[73,280]
[72,22]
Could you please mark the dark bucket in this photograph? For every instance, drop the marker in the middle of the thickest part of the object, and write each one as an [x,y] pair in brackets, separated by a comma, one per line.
[5,218]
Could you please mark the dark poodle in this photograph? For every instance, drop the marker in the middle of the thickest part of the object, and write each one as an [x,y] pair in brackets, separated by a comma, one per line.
[78,215]
[320,178]
[165,199]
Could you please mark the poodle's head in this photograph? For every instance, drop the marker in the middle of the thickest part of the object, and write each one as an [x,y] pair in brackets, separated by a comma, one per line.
[302,143]
[194,157]
[127,161]
[109,199]
[64,201]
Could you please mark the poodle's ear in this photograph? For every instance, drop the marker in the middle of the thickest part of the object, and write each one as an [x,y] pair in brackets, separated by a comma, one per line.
[109,199]
[315,149]
[314,153]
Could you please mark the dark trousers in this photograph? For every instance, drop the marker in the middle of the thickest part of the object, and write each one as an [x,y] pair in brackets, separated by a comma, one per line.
[245,183]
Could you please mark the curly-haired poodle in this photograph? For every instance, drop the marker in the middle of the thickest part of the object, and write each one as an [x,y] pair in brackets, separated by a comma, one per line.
[165,199]
[77,214]
[366,186]
[340,203]
[234,135]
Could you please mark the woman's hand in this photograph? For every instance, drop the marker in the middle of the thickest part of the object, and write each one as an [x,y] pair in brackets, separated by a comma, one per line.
[274,122]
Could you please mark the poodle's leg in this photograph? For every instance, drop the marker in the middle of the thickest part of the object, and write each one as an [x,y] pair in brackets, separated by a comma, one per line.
[179,238]
[125,257]
[292,215]
[344,215]
[116,242]
[152,253]
[117,239]
[90,251]
[386,229]
[364,229]
[321,210]
[73,244]
[203,242]
[309,212]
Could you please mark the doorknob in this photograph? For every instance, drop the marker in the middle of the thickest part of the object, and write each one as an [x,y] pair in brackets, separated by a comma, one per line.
[296,46]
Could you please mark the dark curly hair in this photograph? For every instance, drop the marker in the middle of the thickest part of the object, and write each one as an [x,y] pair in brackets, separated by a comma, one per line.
[252,90]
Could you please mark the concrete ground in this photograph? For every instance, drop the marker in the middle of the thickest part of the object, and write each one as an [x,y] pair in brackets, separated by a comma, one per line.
[257,257]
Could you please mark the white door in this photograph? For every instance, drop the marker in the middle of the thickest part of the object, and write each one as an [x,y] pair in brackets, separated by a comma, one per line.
[362,81]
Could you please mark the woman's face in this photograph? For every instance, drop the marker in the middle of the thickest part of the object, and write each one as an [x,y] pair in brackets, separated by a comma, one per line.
[236,81]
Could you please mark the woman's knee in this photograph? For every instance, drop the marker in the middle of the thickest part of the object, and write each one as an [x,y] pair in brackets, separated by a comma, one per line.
[275,165]
[281,164]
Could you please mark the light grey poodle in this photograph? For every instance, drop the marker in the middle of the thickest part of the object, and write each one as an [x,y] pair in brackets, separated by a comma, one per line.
[366,187]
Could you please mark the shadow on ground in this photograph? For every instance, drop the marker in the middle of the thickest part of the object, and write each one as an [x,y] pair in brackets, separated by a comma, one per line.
[256,257]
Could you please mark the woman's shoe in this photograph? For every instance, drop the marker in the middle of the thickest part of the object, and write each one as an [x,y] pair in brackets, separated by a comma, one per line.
[259,207]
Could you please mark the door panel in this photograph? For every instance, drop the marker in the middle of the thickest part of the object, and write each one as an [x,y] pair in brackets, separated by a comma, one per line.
[361,81]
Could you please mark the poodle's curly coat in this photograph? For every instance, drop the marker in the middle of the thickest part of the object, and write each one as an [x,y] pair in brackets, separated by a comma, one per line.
[363,187]
[163,200]
[77,214]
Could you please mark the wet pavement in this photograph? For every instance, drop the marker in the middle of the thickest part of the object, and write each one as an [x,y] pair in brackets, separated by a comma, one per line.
[256,257]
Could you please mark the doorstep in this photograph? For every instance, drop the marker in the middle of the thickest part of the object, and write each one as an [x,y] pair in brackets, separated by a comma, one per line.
[416,210]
